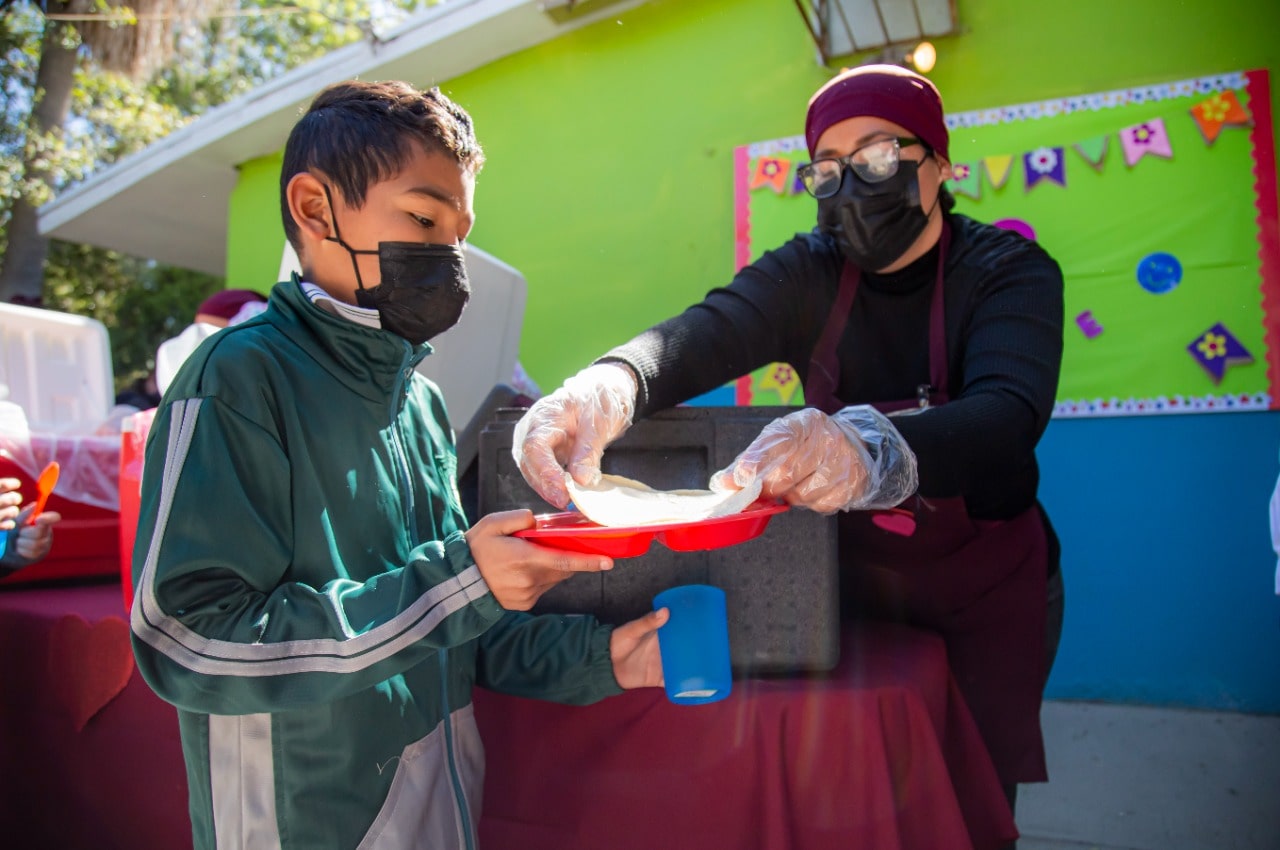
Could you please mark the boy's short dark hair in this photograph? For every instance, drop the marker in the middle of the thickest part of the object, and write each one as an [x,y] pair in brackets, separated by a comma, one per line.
[360,133]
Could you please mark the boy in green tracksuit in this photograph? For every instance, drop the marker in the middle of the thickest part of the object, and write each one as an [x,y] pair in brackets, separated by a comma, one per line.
[308,593]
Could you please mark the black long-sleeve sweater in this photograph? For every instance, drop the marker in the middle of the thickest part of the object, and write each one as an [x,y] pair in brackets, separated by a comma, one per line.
[1004,342]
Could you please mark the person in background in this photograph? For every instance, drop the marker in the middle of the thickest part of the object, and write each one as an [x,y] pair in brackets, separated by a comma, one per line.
[220,310]
[142,393]
[308,593]
[230,307]
[930,346]
[22,544]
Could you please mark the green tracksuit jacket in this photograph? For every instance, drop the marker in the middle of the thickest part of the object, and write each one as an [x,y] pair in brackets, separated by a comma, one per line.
[306,598]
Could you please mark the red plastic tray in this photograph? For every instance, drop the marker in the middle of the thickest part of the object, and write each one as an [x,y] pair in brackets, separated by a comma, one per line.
[573,532]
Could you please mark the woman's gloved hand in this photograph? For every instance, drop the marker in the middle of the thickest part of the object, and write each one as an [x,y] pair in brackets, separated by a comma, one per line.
[852,460]
[570,429]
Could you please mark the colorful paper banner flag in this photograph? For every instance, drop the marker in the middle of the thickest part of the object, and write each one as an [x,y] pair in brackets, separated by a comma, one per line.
[1216,349]
[1093,151]
[998,168]
[771,171]
[1224,109]
[1146,138]
[783,379]
[797,184]
[1044,164]
[966,180]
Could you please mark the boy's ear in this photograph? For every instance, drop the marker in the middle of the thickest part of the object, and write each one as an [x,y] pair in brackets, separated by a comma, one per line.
[309,206]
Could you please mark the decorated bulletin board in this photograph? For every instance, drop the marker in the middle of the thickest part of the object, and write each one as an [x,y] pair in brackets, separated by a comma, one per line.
[1158,202]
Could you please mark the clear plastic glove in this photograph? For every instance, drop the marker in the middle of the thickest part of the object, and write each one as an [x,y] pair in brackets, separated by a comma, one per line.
[853,460]
[569,429]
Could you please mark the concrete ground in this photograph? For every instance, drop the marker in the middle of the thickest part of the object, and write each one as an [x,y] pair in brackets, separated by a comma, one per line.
[1142,778]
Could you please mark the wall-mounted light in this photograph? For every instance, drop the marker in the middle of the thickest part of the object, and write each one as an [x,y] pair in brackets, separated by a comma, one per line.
[920,57]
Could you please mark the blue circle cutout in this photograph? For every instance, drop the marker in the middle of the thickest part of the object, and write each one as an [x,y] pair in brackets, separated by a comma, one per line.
[1159,273]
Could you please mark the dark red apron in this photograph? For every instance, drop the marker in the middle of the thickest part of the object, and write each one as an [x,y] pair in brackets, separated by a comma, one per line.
[978,583]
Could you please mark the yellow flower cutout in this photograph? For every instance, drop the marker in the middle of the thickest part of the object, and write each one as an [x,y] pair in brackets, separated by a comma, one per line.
[1213,345]
[1216,108]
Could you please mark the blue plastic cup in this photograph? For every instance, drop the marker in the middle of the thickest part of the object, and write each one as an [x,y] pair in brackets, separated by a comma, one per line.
[694,644]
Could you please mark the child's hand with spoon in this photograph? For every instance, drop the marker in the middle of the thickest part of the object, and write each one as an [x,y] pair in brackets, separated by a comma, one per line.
[28,536]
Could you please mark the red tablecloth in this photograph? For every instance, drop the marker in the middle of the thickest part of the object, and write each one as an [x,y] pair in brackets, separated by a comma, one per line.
[882,755]
[89,756]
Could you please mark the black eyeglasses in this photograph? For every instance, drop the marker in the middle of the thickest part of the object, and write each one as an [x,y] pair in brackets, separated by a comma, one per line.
[874,162]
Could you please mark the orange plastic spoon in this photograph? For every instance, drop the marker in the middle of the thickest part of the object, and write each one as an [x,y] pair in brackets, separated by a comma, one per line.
[44,486]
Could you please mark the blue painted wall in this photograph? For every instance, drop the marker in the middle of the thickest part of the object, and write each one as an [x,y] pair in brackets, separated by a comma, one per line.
[1167,559]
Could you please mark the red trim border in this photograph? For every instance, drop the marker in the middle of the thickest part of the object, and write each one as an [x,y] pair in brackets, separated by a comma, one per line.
[741,209]
[1262,139]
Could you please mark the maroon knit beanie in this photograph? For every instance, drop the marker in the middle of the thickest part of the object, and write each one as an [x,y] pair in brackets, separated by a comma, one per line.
[228,302]
[890,92]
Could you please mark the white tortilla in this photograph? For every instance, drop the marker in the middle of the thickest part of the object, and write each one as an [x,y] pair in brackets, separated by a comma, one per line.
[618,501]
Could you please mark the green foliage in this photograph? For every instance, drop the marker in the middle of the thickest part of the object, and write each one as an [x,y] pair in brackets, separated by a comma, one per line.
[141,303]
[20,30]
[227,57]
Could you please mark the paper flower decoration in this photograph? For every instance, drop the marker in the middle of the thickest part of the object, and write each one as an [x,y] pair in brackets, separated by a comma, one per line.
[966,180]
[1043,160]
[781,378]
[1216,349]
[1221,110]
[1143,139]
[771,171]
[1044,164]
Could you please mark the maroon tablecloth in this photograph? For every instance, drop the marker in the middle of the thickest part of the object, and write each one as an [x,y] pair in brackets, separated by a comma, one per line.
[89,756]
[881,755]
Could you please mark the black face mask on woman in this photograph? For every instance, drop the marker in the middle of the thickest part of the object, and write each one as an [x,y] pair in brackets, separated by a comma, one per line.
[423,291]
[875,223]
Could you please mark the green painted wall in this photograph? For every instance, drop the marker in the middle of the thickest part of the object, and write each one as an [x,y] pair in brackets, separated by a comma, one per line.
[610,187]
[255,236]
[610,149]
[609,182]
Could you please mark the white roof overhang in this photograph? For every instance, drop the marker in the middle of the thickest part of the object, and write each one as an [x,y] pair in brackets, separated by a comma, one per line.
[168,202]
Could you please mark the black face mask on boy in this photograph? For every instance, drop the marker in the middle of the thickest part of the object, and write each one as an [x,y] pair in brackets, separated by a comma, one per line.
[424,288]
[875,223]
